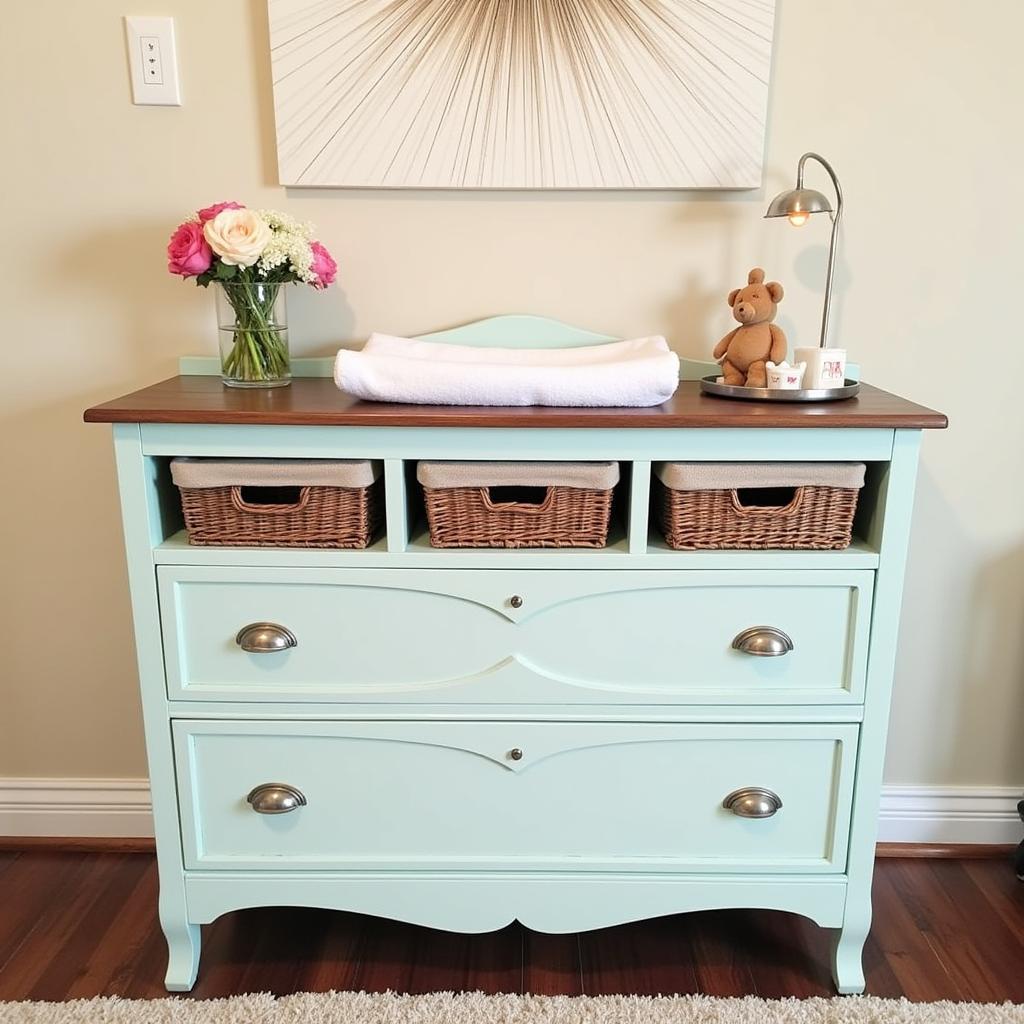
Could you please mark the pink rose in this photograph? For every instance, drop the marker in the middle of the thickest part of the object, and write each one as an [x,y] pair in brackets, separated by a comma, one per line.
[188,253]
[209,212]
[325,270]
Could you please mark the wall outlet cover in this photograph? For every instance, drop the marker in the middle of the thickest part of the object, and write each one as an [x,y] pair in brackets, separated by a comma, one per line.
[152,61]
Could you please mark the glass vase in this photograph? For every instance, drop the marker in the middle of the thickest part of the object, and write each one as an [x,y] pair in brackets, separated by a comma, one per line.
[252,325]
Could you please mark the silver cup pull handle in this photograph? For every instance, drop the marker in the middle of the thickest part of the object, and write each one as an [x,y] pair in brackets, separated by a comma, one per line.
[753,802]
[276,798]
[763,642]
[265,638]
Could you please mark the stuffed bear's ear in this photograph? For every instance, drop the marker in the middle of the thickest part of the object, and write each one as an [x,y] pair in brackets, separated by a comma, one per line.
[756,276]
[733,295]
[775,291]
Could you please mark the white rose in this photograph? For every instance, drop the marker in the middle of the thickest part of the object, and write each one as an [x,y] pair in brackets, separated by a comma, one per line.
[238,237]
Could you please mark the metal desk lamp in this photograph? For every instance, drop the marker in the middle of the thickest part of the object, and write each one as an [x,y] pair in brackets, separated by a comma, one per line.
[798,204]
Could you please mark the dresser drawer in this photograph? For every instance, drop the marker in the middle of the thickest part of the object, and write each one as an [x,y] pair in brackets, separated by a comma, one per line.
[478,636]
[510,796]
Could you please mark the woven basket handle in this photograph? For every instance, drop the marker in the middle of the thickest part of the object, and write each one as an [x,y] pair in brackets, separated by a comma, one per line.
[268,510]
[516,506]
[775,510]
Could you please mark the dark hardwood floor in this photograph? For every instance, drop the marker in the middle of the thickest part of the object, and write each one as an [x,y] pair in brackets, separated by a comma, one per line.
[84,924]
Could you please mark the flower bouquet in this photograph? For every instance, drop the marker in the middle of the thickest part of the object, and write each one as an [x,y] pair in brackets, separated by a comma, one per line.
[250,254]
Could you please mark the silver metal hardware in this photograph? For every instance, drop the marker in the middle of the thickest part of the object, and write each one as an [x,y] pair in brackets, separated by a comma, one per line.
[763,641]
[516,601]
[276,798]
[515,754]
[753,802]
[710,386]
[265,638]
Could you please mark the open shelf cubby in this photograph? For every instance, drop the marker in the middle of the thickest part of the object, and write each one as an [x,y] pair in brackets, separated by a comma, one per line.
[634,538]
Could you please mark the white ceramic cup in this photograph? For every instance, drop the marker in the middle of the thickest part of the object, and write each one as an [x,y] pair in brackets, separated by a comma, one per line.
[784,377]
[826,367]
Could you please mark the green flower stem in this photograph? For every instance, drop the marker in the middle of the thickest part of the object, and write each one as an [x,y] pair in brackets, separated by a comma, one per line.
[258,352]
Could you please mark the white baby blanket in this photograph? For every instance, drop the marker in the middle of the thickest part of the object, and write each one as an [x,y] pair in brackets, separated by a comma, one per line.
[641,372]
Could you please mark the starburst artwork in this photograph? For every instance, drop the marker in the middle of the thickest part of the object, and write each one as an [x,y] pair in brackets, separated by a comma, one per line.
[524,94]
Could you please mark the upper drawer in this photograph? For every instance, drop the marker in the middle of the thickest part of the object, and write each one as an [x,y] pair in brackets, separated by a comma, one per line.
[513,796]
[477,636]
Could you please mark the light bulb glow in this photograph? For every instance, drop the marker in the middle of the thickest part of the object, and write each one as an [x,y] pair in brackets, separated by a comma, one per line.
[798,219]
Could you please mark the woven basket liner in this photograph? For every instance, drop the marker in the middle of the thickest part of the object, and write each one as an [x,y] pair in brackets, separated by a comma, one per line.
[585,475]
[717,476]
[274,472]
[569,517]
[818,518]
[323,517]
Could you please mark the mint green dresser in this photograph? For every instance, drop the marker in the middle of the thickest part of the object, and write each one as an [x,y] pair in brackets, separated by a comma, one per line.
[462,738]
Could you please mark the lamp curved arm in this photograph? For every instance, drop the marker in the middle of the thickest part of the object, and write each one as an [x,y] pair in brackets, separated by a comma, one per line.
[830,273]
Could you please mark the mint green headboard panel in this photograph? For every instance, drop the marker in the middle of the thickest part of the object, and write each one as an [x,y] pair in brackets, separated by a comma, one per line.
[514,331]
[518,332]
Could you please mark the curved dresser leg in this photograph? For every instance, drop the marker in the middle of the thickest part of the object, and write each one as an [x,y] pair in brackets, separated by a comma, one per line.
[847,957]
[183,944]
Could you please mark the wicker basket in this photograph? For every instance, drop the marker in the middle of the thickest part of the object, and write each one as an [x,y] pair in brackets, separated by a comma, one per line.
[298,503]
[758,505]
[518,505]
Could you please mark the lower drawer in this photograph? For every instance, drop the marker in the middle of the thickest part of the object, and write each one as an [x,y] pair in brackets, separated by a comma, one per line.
[511,796]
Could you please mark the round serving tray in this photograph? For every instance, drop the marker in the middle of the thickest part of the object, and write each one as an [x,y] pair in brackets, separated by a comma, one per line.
[709,385]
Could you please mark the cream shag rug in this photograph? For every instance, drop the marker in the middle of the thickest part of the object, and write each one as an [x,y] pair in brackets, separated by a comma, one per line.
[475,1008]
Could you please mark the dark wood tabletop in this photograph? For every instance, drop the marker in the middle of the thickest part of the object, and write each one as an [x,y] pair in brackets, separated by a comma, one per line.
[315,401]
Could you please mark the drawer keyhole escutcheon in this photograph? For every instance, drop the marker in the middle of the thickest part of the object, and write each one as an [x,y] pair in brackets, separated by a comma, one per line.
[515,754]
[753,802]
[276,798]
[763,642]
[516,601]
[265,638]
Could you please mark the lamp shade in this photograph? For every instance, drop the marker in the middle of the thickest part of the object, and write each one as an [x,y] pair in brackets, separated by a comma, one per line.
[798,200]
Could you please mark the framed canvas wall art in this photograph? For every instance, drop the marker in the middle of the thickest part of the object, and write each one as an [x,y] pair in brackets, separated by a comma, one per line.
[521,94]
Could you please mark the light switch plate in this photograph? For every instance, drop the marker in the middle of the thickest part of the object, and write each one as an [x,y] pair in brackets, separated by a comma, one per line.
[153,61]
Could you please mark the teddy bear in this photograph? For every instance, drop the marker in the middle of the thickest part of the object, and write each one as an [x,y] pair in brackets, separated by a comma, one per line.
[744,351]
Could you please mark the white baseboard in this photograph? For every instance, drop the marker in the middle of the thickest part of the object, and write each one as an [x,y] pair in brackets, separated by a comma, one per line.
[950,814]
[119,808]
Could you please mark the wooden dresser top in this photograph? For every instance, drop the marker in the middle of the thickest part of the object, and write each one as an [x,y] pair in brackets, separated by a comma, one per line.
[315,401]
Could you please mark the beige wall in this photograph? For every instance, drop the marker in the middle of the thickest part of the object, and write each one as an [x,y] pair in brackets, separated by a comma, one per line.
[918,103]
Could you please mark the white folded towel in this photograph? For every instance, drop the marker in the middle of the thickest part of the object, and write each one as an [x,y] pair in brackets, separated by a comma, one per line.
[641,372]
